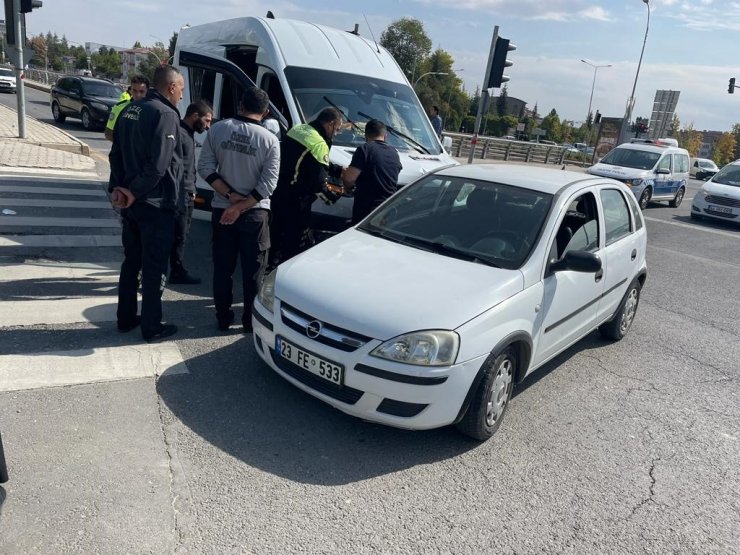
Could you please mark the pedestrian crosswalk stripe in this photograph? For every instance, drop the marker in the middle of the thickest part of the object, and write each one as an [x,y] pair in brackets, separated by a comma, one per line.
[56,204]
[38,312]
[96,192]
[16,221]
[60,241]
[83,366]
[103,271]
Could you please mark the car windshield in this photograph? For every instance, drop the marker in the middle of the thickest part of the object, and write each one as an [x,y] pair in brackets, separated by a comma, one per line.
[708,164]
[631,158]
[362,98]
[104,90]
[6,72]
[479,221]
[729,175]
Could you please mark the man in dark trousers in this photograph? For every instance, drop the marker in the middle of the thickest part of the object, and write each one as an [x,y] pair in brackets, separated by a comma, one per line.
[198,117]
[373,171]
[304,169]
[240,160]
[145,176]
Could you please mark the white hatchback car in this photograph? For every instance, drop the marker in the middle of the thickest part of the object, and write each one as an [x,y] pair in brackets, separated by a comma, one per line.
[719,198]
[465,281]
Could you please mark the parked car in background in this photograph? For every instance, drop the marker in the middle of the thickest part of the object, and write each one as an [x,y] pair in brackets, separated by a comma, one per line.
[703,168]
[719,198]
[452,291]
[7,79]
[85,98]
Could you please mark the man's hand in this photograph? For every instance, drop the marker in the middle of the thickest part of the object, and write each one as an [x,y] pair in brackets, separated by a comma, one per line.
[230,215]
[122,197]
[235,197]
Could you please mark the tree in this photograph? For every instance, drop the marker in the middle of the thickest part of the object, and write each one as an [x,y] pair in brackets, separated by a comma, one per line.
[106,62]
[137,44]
[173,43]
[551,124]
[158,55]
[501,101]
[690,139]
[409,44]
[736,133]
[723,151]
[675,126]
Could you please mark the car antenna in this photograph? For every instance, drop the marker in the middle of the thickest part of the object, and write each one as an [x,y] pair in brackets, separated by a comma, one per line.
[371,33]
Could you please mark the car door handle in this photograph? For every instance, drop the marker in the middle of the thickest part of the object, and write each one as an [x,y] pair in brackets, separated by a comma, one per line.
[634,254]
[599,275]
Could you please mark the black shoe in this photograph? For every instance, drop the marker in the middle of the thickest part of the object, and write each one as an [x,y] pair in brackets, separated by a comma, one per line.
[225,321]
[184,278]
[123,328]
[247,328]
[166,331]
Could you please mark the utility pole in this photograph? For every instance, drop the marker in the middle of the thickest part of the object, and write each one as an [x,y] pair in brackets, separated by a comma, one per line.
[20,92]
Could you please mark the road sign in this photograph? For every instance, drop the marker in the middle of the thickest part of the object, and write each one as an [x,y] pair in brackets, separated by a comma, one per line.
[13,55]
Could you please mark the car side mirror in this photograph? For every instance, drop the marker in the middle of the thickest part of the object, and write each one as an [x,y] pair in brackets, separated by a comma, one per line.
[577,261]
[447,143]
[662,171]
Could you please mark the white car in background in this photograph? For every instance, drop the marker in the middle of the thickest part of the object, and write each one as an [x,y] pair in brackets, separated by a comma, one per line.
[719,198]
[7,79]
[465,281]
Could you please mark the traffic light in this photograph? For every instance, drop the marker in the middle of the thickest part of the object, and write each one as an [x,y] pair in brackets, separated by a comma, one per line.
[731,88]
[597,117]
[30,5]
[499,62]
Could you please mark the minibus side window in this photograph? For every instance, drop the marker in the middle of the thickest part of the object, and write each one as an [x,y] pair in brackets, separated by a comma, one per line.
[202,84]
[271,85]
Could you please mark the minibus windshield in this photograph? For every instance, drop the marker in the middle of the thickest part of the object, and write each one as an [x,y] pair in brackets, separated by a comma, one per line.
[360,98]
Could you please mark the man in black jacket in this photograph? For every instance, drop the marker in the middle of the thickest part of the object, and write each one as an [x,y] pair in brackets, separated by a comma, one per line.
[198,117]
[304,169]
[146,171]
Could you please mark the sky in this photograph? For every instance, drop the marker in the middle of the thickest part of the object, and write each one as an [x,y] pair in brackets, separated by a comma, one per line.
[691,45]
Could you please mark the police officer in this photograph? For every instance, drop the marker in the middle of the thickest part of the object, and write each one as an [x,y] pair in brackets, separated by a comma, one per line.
[145,175]
[304,169]
[373,171]
[198,117]
[240,160]
[136,91]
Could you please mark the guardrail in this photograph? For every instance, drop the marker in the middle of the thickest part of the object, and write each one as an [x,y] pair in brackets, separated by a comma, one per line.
[494,148]
[43,77]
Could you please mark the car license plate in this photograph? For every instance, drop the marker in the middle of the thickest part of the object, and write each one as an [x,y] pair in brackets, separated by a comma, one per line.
[330,371]
[720,209]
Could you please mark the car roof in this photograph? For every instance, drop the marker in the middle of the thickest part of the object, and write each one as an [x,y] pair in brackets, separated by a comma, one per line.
[544,180]
[88,79]
[652,147]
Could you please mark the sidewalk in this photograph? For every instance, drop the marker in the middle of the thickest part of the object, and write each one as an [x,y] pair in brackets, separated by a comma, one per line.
[45,146]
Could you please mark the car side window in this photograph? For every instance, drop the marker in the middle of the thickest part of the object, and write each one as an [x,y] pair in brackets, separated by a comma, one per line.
[616,215]
[579,229]
[665,163]
[636,213]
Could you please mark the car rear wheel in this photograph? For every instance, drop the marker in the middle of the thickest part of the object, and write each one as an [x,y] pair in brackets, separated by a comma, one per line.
[619,325]
[491,398]
[56,112]
[676,202]
[645,198]
[86,121]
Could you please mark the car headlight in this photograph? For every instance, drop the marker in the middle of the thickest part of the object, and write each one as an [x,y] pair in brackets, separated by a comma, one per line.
[266,296]
[633,182]
[423,348]
[99,106]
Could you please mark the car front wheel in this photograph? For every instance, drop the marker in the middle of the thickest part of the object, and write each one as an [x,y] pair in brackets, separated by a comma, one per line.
[676,202]
[57,113]
[619,325]
[86,121]
[645,198]
[491,398]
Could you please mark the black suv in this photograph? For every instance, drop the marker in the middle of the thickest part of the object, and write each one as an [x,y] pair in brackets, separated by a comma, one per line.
[86,98]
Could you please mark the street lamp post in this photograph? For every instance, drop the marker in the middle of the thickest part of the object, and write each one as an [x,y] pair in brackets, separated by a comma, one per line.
[429,73]
[593,84]
[631,101]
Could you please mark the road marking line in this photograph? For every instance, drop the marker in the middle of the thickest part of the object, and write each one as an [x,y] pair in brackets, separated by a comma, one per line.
[83,366]
[60,241]
[96,192]
[103,272]
[695,227]
[56,203]
[16,221]
[695,257]
[34,312]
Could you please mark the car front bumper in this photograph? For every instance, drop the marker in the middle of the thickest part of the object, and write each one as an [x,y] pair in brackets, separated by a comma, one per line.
[725,209]
[374,389]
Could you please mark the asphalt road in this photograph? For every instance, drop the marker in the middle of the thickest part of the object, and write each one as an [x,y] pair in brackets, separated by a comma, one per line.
[629,447]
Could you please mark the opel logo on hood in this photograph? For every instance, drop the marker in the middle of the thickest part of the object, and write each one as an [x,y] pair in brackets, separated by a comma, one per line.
[313,329]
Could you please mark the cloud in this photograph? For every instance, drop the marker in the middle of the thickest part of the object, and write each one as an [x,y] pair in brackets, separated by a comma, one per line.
[532,10]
